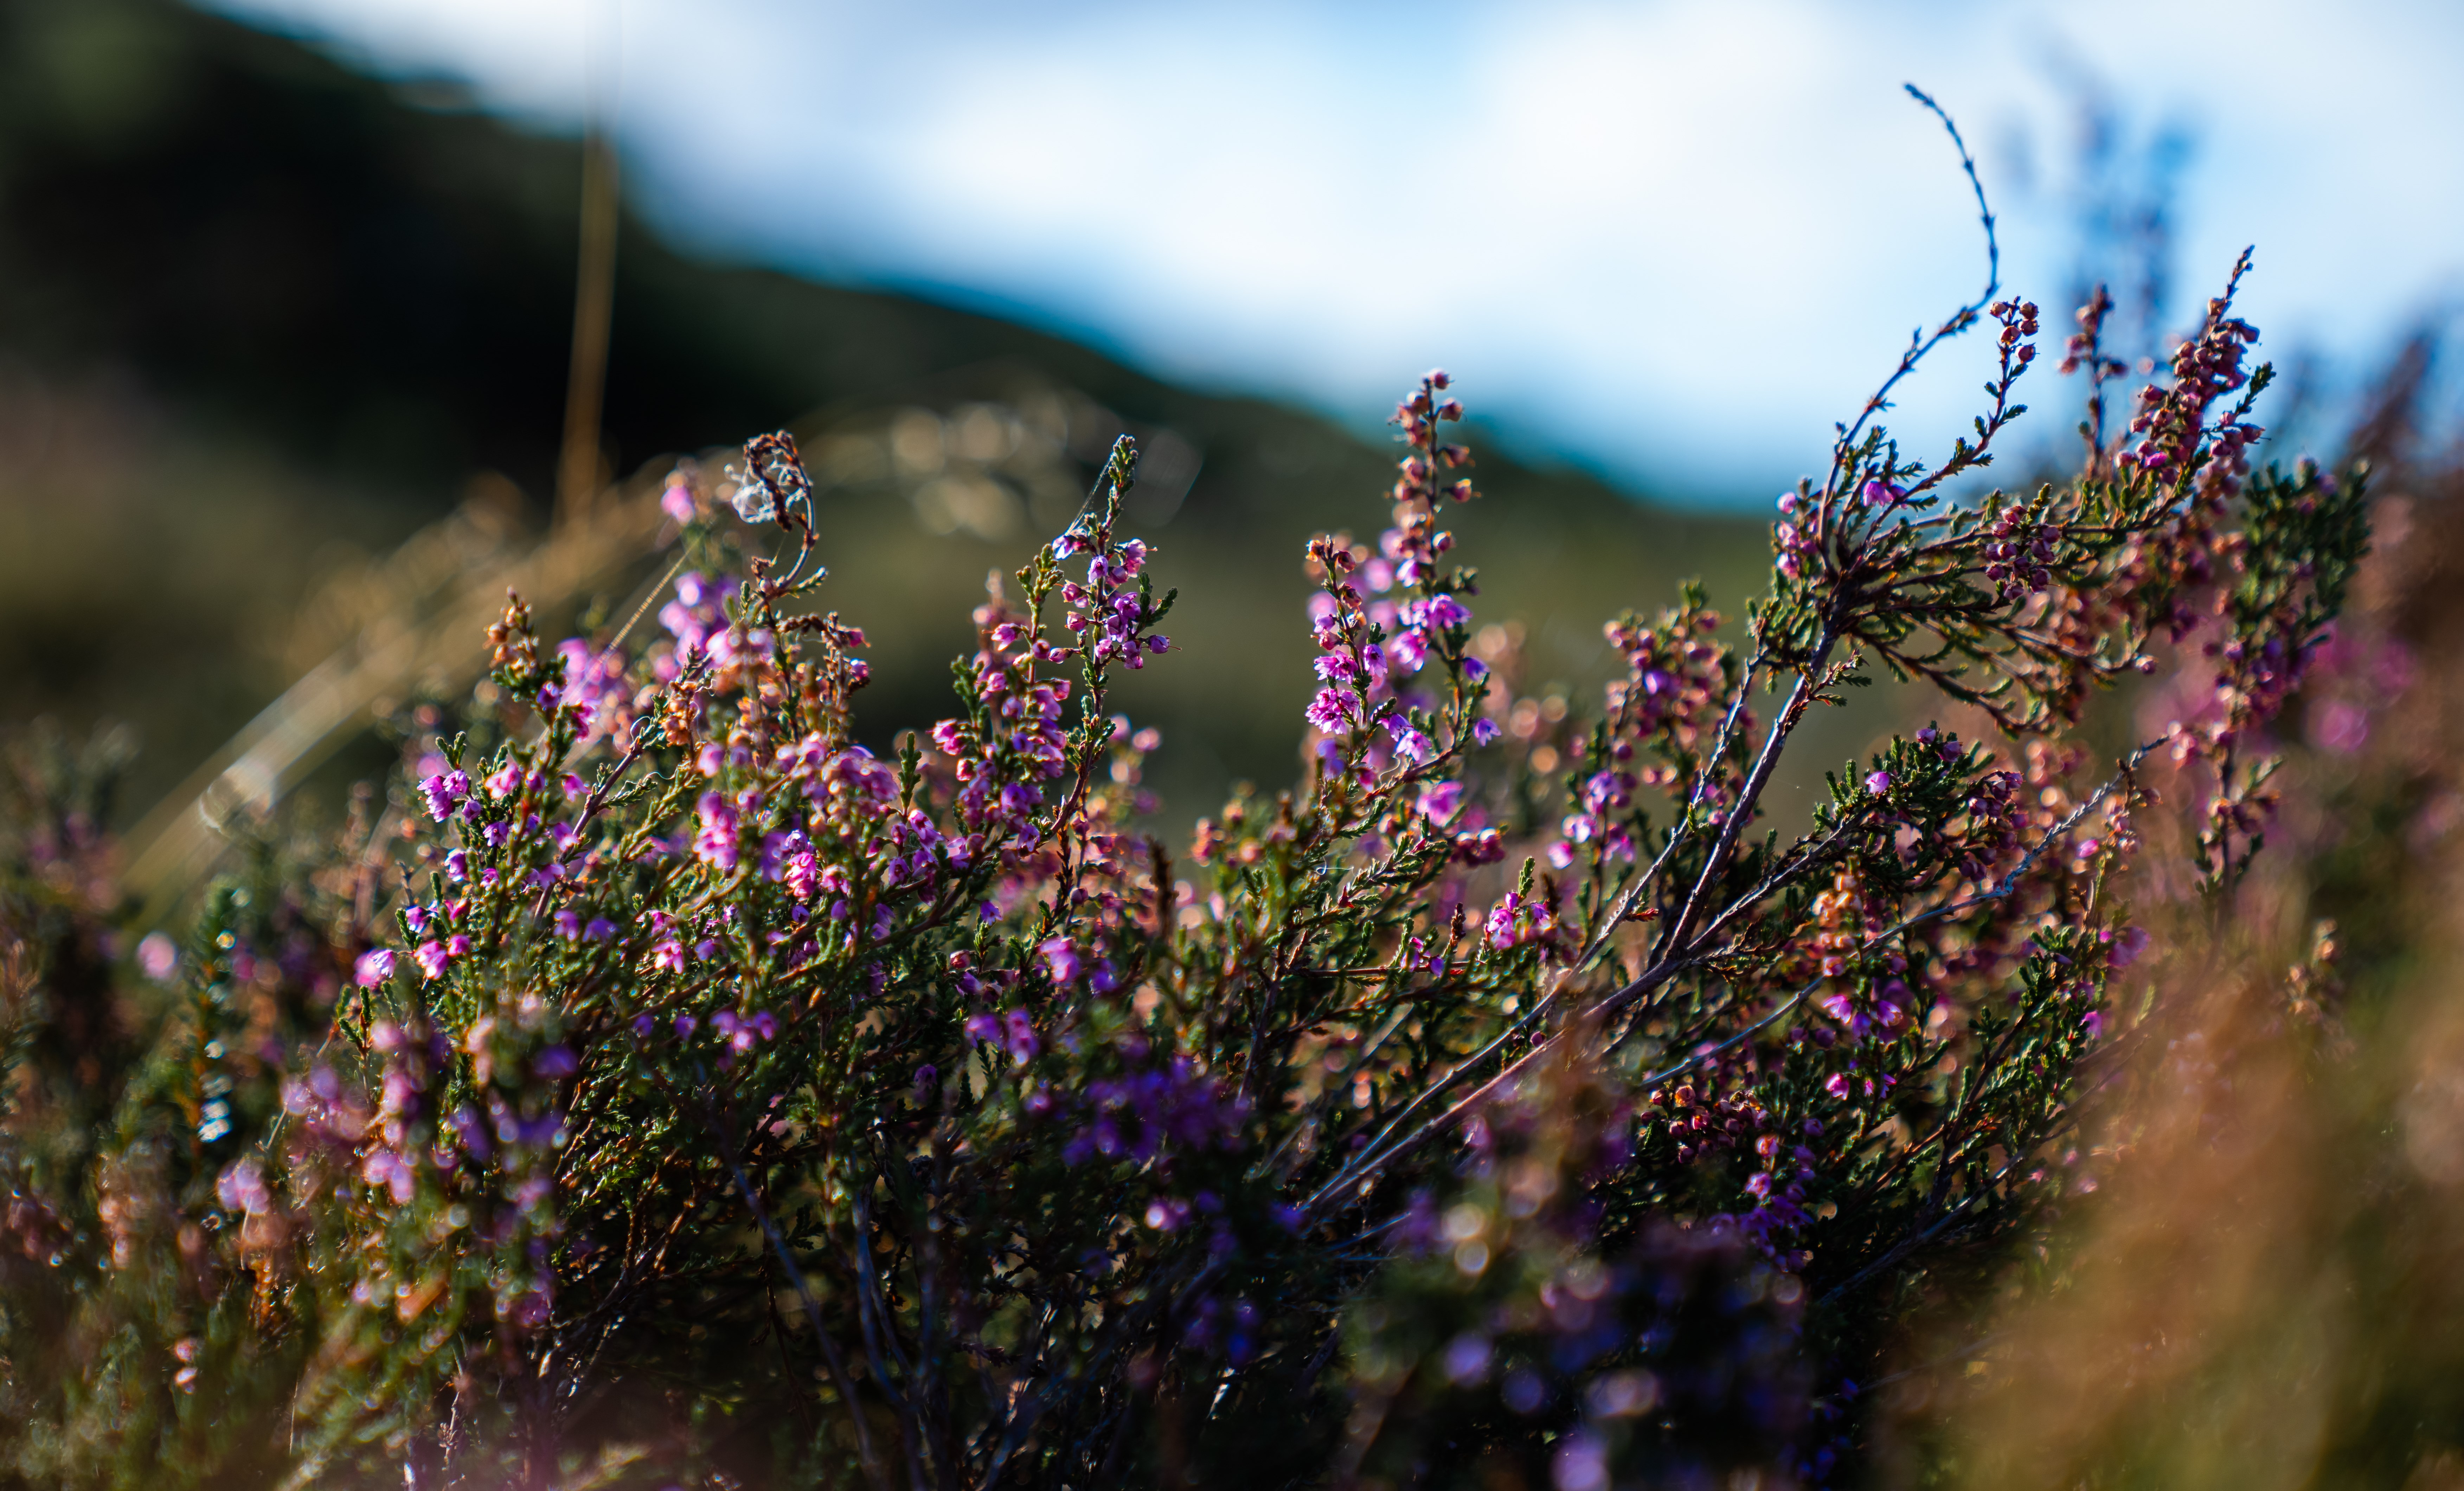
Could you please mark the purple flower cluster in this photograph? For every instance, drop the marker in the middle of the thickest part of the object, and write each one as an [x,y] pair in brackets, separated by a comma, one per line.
[1162,1103]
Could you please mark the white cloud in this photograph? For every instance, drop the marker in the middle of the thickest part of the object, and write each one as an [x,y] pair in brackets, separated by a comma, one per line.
[1674,239]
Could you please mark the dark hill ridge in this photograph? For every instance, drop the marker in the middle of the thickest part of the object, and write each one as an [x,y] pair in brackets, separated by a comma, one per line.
[280,245]
[259,313]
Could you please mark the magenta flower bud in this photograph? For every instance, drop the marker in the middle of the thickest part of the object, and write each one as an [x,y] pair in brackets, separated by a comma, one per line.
[374,966]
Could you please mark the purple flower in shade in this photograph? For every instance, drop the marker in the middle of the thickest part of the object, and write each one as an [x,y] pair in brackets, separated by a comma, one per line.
[1468,1358]
[1484,730]
[1441,800]
[556,1061]
[600,930]
[738,1031]
[1334,710]
[1410,744]
[444,792]
[457,866]
[1063,957]
[1582,1463]
[1878,782]
[2125,948]
[374,966]
[568,924]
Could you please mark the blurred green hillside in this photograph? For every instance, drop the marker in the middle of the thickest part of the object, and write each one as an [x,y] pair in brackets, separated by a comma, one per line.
[261,318]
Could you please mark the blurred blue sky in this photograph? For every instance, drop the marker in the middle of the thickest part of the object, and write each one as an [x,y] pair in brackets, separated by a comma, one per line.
[1670,241]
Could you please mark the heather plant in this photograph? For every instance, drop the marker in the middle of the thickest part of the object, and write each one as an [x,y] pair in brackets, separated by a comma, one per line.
[657,1083]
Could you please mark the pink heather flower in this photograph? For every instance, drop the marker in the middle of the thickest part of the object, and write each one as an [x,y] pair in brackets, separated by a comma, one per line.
[669,954]
[716,843]
[678,500]
[1484,730]
[1410,744]
[1878,782]
[506,781]
[1441,800]
[158,957]
[242,1189]
[802,875]
[1409,651]
[433,957]
[1501,931]
[1334,710]
[374,966]
[1063,957]
[444,792]
[389,1170]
